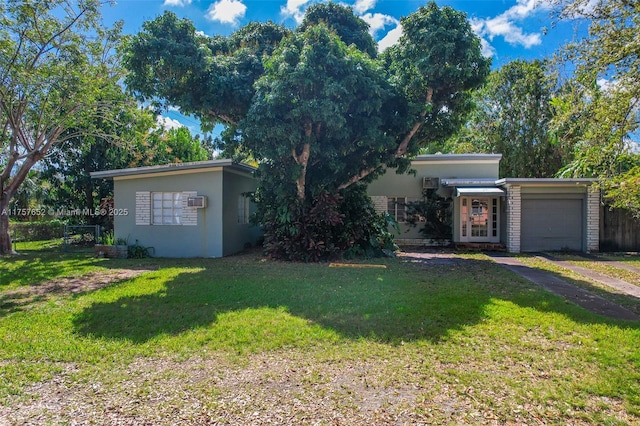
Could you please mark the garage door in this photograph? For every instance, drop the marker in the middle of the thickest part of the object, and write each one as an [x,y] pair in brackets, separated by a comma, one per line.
[551,224]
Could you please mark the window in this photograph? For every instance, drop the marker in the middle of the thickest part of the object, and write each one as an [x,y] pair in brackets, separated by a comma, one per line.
[243,209]
[166,208]
[396,207]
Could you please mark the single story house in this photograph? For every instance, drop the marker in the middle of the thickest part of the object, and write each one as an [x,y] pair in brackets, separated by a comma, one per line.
[201,209]
[198,209]
[523,215]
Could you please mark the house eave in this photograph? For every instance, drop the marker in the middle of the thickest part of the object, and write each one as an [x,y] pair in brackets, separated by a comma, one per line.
[173,168]
[457,159]
[545,182]
[486,182]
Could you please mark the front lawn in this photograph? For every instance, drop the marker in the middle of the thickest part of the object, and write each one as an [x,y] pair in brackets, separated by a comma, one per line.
[242,340]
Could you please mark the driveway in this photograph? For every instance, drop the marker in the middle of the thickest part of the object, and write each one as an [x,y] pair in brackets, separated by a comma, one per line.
[572,293]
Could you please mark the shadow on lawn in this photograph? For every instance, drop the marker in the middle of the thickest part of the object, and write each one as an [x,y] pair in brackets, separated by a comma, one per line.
[41,275]
[403,303]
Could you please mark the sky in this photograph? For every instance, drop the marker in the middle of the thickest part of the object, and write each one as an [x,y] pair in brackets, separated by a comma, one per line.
[509,29]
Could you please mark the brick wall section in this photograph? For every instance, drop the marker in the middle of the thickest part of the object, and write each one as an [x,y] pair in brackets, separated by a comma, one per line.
[143,208]
[593,220]
[379,203]
[514,214]
[189,214]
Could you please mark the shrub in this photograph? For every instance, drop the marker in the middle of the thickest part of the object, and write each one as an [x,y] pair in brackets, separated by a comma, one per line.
[332,226]
[437,214]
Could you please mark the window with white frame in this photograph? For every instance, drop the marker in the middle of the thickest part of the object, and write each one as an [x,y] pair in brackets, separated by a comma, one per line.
[243,209]
[166,208]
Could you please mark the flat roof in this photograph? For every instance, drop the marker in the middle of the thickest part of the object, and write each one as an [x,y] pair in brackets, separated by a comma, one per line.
[468,182]
[457,157]
[193,165]
[546,181]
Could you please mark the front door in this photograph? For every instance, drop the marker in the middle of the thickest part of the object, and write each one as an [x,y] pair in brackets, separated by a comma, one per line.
[479,219]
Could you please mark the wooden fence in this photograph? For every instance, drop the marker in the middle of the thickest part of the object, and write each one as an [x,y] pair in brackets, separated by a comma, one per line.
[619,230]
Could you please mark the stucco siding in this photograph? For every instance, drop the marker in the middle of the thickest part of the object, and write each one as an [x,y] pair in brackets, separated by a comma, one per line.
[408,185]
[200,239]
[236,235]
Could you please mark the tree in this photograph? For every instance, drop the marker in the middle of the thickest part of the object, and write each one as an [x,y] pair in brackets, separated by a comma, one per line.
[512,117]
[55,59]
[341,21]
[141,143]
[323,118]
[600,111]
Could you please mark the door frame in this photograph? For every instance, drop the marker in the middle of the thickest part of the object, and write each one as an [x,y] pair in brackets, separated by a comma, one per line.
[466,216]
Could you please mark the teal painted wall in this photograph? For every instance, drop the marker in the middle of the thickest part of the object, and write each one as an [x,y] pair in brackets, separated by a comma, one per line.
[203,240]
[236,235]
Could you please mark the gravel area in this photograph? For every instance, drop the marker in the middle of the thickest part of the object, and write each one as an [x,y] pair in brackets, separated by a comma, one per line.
[268,389]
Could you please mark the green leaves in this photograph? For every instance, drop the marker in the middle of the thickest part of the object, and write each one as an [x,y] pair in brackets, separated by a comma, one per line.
[316,108]
[210,77]
[512,117]
[435,64]
[598,110]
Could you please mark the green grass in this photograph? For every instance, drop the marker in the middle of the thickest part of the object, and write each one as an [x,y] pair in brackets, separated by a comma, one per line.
[631,303]
[471,340]
[631,259]
[601,265]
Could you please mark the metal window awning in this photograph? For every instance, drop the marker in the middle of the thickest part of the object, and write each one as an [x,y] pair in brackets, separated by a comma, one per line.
[480,192]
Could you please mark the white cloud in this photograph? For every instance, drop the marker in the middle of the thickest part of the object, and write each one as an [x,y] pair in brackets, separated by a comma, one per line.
[390,39]
[293,9]
[378,21]
[512,33]
[361,6]
[168,123]
[226,11]
[507,25]
[178,3]
[525,8]
[487,49]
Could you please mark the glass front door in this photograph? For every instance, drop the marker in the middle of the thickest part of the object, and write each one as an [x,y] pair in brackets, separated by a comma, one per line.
[479,219]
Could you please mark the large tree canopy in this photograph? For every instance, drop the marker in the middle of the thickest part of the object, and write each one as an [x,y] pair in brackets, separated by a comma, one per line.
[315,107]
[319,108]
[511,117]
[599,112]
[56,65]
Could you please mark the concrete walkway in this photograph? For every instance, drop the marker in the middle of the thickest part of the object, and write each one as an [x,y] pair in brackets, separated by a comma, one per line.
[618,284]
[615,263]
[552,283]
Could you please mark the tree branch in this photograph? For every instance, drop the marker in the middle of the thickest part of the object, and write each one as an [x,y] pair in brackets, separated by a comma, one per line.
[402,147]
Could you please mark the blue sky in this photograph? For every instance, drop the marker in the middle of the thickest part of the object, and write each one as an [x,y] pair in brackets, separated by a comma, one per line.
[509,29]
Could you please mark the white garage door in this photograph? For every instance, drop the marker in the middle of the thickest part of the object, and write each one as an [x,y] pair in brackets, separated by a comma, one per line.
[552,224]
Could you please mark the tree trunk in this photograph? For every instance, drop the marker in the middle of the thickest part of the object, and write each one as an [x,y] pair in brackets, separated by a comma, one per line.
[5,239]
[6,192]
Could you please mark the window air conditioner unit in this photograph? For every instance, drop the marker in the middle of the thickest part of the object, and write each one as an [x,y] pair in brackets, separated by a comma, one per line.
[198,202]
[430,183]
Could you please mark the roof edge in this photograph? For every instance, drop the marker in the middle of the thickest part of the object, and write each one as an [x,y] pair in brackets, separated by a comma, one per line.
[546,181]
[193,165]
[456,157]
